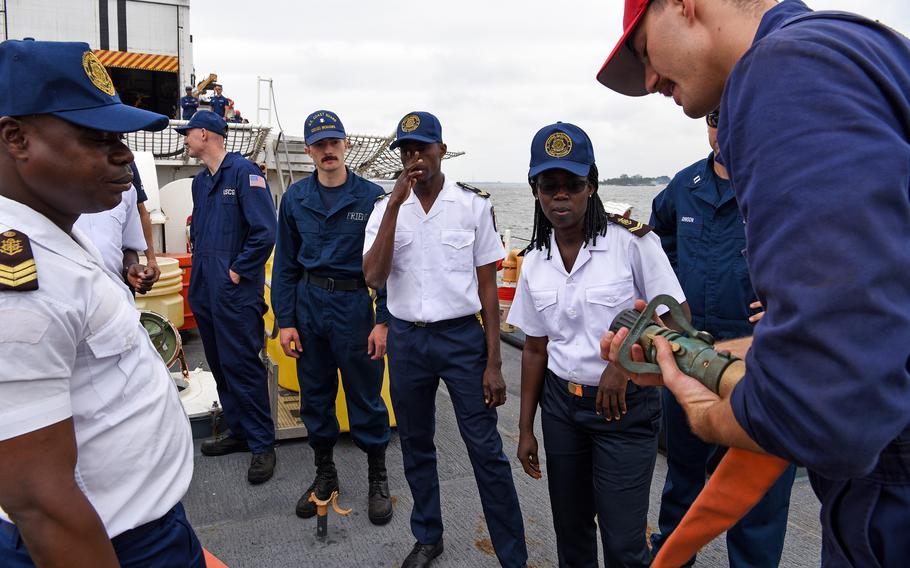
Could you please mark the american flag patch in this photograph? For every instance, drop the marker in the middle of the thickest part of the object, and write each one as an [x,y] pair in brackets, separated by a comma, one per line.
[257,181]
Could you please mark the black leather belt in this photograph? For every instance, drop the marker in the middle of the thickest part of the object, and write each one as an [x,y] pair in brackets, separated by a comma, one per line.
[442,324]
[335,284]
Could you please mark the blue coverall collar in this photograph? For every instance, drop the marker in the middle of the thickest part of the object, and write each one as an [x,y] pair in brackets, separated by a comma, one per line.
[776,16]
[350,193]
[703,185]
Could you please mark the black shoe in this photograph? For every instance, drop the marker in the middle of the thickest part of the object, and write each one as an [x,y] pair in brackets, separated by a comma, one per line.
[324,485]
[422,555]
[262,467]
[380,509]
[224,446]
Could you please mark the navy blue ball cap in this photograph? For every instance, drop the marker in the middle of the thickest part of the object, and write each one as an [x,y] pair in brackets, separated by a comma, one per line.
[561,146]
[205,119]
[419,126]
[322,124]
[66,80]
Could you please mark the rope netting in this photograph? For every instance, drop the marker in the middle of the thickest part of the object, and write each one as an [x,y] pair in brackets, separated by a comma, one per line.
[370,156]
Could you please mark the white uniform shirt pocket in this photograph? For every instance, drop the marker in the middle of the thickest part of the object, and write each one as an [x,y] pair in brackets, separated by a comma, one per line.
[459,254]
[113,358]
[611,295]
[404,250]
[604,302]
[543,299]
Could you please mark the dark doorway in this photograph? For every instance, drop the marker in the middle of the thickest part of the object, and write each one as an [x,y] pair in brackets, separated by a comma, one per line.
[156,91]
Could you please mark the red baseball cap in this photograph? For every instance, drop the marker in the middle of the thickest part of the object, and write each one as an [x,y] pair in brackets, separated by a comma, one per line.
[622,71]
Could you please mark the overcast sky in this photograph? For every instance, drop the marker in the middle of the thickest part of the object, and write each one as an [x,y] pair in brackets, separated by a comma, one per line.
[493,72]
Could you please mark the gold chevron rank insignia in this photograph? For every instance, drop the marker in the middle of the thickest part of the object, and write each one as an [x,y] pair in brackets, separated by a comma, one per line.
[17,263]
[637,228]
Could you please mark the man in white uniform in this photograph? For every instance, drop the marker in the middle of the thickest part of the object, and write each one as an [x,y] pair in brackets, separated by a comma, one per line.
[95,450]
[435,242]
[118,235]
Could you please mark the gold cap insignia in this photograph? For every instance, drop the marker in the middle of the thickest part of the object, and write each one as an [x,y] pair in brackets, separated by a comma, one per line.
[97,74]
[558,145]
[410,123]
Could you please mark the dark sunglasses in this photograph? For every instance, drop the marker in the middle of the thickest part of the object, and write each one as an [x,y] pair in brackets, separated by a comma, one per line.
[712,118]
[551,188]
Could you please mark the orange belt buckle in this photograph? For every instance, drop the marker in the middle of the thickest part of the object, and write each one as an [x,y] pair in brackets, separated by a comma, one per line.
[575,388]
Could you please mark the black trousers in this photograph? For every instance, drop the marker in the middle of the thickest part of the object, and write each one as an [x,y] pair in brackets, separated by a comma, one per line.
[599,469]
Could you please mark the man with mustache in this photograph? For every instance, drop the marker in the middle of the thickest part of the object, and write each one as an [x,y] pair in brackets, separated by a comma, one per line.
[325,312]
[815,134]
[96,451]
[435,243]
[232,235]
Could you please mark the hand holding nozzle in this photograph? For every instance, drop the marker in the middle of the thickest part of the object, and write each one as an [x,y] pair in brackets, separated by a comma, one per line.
[693,351]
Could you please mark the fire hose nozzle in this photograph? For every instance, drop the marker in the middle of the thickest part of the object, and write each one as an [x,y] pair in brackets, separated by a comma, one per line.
[693,351]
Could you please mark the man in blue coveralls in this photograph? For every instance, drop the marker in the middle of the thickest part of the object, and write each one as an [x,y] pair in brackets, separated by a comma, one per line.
[189,104]
[435,241]
[232,236]
[219,102]
[813,130]
[325,312]
[703,234]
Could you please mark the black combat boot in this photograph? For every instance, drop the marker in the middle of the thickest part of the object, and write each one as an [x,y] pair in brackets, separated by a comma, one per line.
[262,467]
[380,511]
[325,483]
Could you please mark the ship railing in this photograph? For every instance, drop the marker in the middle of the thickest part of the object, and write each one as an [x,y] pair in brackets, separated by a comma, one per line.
[247,139]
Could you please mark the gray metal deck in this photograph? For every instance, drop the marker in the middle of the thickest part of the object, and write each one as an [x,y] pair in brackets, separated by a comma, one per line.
[247,526]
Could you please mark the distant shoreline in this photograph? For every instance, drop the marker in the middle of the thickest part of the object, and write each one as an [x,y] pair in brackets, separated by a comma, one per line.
[627,180]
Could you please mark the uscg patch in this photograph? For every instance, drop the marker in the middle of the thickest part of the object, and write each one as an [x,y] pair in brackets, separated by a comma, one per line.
[17,263]
[637,228]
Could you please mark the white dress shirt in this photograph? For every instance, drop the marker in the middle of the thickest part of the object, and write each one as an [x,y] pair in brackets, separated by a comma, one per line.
[75,348]
[574,309]
[114,231]
[433,275]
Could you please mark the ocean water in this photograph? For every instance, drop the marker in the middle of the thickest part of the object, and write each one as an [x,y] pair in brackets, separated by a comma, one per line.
[514,205]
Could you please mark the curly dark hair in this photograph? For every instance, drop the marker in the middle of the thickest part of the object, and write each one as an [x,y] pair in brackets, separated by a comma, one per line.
[595,217]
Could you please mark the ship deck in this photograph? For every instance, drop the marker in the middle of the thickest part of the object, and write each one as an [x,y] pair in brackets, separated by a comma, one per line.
[253,526]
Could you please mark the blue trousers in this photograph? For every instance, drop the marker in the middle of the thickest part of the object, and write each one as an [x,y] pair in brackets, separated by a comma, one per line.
[230,324]
[456,353]
[333,328]
[865,520]
[169,542]
[599,469]
[757,540]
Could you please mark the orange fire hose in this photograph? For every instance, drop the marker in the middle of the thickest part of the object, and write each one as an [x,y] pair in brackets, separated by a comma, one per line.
[740,481]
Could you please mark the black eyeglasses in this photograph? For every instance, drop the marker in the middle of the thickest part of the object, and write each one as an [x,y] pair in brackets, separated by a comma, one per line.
[551,187]
[712,118]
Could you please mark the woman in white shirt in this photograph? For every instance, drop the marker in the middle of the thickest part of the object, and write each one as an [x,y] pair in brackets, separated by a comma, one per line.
[582,268]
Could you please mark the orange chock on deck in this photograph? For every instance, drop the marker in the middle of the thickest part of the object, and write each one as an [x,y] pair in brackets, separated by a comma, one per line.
[211,561]
[737,485]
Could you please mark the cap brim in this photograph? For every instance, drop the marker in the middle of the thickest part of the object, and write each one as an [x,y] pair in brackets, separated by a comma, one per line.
[576,168]
[323,135]
[622,71]
[415,138]
[115,117]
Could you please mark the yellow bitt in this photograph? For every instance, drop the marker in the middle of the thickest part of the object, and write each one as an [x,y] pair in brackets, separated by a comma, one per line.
[164,298]
[287,366]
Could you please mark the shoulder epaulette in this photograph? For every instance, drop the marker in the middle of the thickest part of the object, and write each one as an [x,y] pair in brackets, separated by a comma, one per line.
[473,189]
[637,228]
[382,196]
[17,263]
